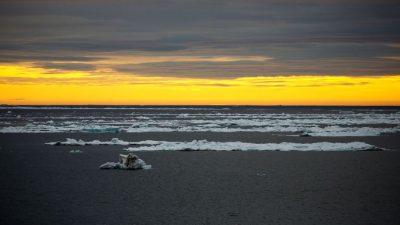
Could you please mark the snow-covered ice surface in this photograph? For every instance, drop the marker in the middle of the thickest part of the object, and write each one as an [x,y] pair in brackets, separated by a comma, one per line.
[136,164]
[204,145]
[117,165]
[74,142]
[314,121]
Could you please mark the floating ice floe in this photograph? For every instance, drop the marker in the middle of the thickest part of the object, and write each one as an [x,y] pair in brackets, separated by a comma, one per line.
[312,130]
[74,142]
[331,131]
[101,130]
[75,151]
[204,145]
[183,115]
[113,141]
[336,131]
[66,127]
[128,162]
[365,123]
[142,118]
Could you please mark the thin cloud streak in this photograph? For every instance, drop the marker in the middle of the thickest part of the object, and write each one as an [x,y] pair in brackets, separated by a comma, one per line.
[213,39]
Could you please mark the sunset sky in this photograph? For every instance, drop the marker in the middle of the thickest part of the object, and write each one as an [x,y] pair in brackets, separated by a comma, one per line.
[155,52]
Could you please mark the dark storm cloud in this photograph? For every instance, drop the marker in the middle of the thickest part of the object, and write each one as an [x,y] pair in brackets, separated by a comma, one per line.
[269,68]
[93,46]
[304,37]
[31,57]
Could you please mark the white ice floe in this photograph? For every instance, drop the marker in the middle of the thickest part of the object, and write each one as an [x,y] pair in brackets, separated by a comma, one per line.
[75,151]
[69,141]
[313,130]
[74,142]
[113,141]
[336,131]
[149,129]
[68,126]
[128,162]
[183,115]
[315,124]
[101,130]
[142,118]
[204,145]
[332,131]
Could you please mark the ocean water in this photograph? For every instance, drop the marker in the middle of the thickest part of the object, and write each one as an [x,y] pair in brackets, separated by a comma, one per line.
[283,121]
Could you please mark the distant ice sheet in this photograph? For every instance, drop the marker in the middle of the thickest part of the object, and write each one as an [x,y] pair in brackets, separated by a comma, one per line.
[337,131]
[204,145]
[328,131]
[312,130]
[324,122]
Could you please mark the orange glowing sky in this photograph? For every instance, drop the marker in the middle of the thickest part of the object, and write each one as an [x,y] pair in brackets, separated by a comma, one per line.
[219,52]
[23,85]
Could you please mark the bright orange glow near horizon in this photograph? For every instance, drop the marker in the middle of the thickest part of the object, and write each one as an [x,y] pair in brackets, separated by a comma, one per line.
[23,85]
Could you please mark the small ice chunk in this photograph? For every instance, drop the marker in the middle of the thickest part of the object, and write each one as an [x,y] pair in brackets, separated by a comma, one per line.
[183,115]
[73,141]
[116,141]
[128,162]
[111,165]
[146,167]
[75,151]
[101,130]
[142,118]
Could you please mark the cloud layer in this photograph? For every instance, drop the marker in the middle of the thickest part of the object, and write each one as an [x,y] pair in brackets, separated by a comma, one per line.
[213,39]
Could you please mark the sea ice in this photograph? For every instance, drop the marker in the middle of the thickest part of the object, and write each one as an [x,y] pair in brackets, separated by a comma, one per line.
[204,145]
[128,162]
[351,123]
[336,131]
[74,142]
[75,151]
[101,130]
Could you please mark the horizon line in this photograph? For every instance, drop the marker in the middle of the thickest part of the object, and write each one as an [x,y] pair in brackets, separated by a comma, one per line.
[183,105]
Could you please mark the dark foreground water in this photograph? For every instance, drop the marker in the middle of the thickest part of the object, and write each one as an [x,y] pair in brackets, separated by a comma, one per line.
[44,184]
